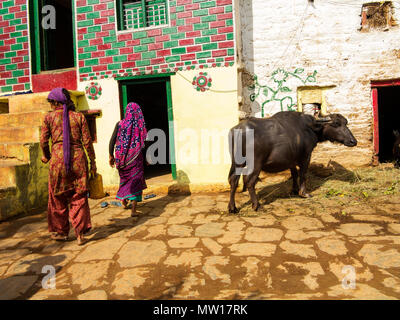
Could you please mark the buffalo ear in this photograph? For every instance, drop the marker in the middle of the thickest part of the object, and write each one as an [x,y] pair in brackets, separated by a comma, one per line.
[317,126]
[313,123]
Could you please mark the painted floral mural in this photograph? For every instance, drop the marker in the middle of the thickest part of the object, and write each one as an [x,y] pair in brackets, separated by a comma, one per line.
[279,90]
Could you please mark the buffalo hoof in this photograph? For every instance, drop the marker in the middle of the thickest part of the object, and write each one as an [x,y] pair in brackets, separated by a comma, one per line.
[256,207]
[305,195]
[233,210]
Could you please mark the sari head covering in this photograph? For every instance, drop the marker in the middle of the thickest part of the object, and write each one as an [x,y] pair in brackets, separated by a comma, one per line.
[131,136]
[61,95]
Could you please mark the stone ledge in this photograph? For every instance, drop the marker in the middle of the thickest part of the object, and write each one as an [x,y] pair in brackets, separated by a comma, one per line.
[175,188]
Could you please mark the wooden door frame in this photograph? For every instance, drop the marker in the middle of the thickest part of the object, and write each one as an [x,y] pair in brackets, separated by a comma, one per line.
[124,82]
[34,34]
[375,111]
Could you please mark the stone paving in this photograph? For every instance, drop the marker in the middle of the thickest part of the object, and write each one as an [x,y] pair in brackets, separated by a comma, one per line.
[189,247]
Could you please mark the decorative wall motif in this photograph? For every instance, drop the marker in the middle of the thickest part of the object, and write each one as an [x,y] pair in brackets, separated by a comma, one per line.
[93,91]
[202,82]
[280,92]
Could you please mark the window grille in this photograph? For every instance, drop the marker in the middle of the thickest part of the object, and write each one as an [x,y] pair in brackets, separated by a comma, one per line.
[144,14]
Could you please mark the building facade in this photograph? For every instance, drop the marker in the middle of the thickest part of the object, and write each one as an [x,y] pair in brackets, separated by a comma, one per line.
[178,62]
[176,58]
[196,67]
[342,54]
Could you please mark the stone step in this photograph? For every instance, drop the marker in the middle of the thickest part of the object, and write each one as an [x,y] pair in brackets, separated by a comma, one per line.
[19,134]
[14,150]
[28,102]
[36,101]
[4,192]
[26,119]
[7,201]
[23,184]
[8,176]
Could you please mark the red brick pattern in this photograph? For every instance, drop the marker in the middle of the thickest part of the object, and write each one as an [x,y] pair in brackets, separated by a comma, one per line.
[14,46]
[200,35]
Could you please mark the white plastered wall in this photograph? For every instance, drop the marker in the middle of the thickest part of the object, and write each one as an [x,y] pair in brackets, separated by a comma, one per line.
[326,39]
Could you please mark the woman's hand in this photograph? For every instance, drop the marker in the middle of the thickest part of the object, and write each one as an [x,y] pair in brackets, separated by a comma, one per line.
[112,161]
[44,159]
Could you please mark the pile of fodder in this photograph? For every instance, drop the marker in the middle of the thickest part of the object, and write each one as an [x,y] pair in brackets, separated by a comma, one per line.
[361,183]
[331,182]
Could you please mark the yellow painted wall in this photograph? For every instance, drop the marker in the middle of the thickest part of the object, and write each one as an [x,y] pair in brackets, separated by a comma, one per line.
[312,94]
[197,113]
[108,103]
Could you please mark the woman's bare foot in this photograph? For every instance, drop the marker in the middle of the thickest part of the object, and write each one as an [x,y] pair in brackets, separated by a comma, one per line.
[125,203]
[133,209]
[81,239]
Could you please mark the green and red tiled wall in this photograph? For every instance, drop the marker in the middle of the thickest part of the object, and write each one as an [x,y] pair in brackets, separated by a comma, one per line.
[200,35]
[14,46]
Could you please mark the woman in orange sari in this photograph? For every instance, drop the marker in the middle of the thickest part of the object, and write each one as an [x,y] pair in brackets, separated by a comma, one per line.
[68,172]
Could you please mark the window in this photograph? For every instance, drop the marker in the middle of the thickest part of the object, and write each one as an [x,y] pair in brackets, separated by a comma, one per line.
[308,96]
[91,116]
[377,15]
[141,14]
[4,106]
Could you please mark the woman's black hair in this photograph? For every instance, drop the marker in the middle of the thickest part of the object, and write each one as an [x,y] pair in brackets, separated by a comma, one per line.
[70,103]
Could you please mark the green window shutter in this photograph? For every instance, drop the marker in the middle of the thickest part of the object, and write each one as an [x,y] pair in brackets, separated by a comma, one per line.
[142,13]
[133,15]
[157,12]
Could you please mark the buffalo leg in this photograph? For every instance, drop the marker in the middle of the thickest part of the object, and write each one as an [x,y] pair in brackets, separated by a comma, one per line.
[251,181]
[303,173]
[233,181]
[295,175]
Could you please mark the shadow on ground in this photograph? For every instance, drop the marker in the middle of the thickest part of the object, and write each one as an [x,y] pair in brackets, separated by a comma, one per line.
[28,277]
[119,224]
[317,176]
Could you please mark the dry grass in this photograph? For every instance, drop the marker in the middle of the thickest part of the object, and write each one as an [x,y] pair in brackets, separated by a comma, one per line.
[361,182]
[327,184]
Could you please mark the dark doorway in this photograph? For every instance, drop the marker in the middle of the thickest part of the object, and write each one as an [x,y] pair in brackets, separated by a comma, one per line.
[389,120]
[52,49]
[153,97]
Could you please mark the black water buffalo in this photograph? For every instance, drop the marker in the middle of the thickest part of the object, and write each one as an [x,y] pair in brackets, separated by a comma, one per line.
[396,149]
[282,142]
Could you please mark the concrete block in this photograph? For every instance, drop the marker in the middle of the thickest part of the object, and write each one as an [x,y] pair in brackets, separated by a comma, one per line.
[19,134]
[26,119]
[17,151]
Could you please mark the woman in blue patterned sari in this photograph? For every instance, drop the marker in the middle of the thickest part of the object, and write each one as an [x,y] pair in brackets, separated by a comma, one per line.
[128,138]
